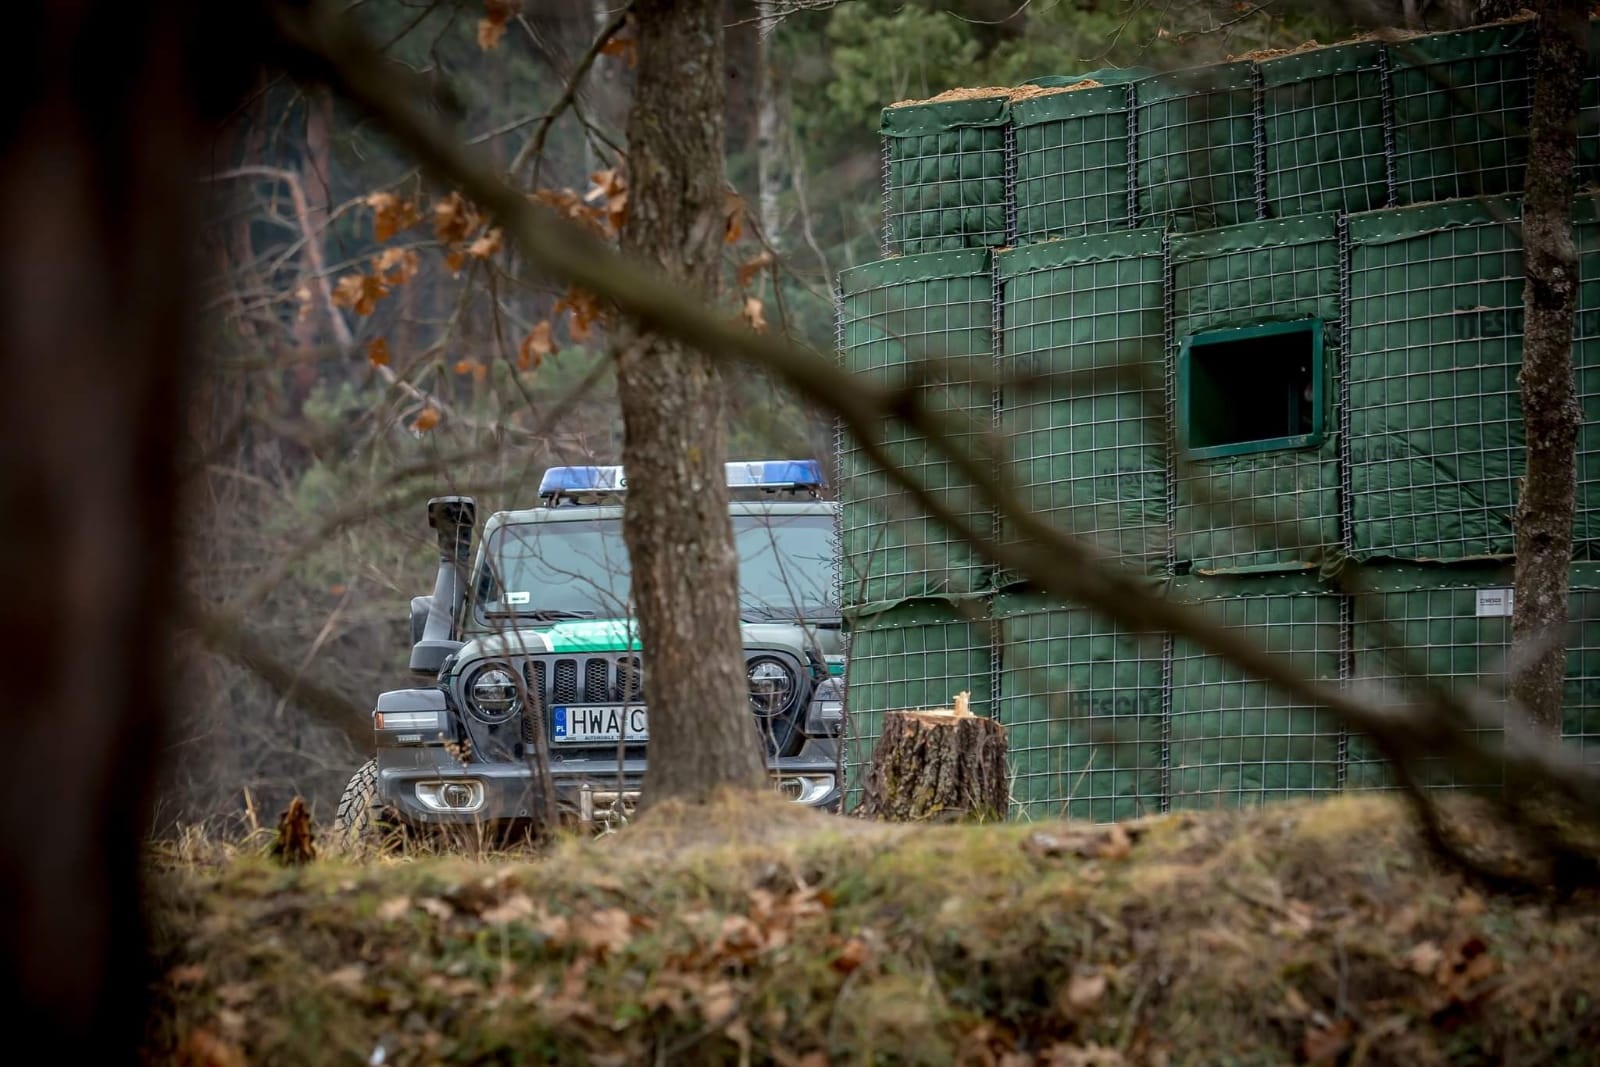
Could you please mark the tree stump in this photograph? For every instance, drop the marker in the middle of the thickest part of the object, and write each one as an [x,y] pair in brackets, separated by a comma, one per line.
[941,764]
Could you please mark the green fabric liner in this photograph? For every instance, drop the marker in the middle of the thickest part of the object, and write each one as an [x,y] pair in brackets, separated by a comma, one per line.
[1086,455]
[1105,76]
[1320,63]
[1223,77]
[1323,127]
[1435,427]
[1095,248]
[914,120]
[896,315]
[1076,104]
[1415,220]
[1195,139]
[1476,43]
[1082,705]
[923,267]
[1253,236]
[917,610]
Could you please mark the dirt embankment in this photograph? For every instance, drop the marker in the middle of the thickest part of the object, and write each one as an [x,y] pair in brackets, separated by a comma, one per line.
[1299,933]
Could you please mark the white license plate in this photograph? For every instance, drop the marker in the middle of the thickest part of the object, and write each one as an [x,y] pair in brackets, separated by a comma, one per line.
[598,722]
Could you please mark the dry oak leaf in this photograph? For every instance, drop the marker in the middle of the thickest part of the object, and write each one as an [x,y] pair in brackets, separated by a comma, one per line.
[350,978]
[1083,992]
[485,245]
[852,954]
[492,27]
[186,974]
[718,1001]
[753,266]
[512,908]
[454,219]
[426,419]
[1324,1044]
[391,213]
[397,265]
[753,313]
[603,931]
[394,908]
[623,47]
[378,352]
[360,292]
[202,1048]
[534,347]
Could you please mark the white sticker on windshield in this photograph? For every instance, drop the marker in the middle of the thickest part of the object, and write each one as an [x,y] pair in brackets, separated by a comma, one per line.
[519,598]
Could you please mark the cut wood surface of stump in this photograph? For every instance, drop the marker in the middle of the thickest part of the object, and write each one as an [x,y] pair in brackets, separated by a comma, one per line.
[937,764]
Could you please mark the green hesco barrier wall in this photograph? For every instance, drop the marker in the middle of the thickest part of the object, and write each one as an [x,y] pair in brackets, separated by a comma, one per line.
[1088,450]
[1435,342]
[1276,509]
[1323,124]
[1586,372]
[1236,741]
[1461,112]
[919,315]
[1452,627]
[1083,710]
[918,654]
[945,175]
[1195,141]
[1072,163]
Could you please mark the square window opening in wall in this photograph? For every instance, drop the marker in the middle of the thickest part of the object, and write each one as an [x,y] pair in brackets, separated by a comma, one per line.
[1250,389]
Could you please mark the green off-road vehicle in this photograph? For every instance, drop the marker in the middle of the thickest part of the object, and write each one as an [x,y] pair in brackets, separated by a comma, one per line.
[534,659]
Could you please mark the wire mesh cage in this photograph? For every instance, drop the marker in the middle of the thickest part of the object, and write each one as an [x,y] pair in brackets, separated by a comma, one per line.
[1255,312]
[1236,741]
[918,654]
[1082,704]
[945,175]
[925,322]
[1586,373]
[1435,342]
[1323,130]
[1196,148]
[1081,415]
[1461,112]
[1072,161]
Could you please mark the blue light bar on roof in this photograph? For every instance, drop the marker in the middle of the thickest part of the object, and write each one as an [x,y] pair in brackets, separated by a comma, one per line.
[776,473]
[757,474]
[558,480]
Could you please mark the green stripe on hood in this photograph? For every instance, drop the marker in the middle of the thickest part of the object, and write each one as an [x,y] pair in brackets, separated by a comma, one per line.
[594,635]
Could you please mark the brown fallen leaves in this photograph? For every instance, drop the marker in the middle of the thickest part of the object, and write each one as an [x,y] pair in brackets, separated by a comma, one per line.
[295,844]
[496,15]
[1112,842]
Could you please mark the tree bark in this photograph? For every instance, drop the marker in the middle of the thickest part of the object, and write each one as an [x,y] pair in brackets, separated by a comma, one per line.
[769,124]
[679,538]
[1550,411]
[937,765]
[100,135]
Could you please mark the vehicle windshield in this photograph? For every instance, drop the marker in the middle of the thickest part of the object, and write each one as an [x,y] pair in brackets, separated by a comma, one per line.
[579,569]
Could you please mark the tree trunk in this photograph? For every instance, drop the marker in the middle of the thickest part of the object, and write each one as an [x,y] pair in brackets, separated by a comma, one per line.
[1550,411]
[679,538]
[98,180]
[769,124]
[937,765]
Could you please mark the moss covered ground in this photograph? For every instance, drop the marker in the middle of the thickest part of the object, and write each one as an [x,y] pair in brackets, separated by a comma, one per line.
[1299,933]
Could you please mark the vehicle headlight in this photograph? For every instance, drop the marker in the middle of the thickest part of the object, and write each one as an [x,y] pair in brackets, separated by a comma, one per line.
[493,693]
[773,685]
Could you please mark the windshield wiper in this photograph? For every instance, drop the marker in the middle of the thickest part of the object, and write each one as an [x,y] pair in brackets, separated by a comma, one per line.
[818,613]
[541,614]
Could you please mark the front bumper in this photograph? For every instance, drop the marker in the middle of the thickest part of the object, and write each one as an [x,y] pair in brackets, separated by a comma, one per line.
[588,792]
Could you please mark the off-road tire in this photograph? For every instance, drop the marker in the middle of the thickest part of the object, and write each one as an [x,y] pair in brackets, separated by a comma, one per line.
[361,820]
